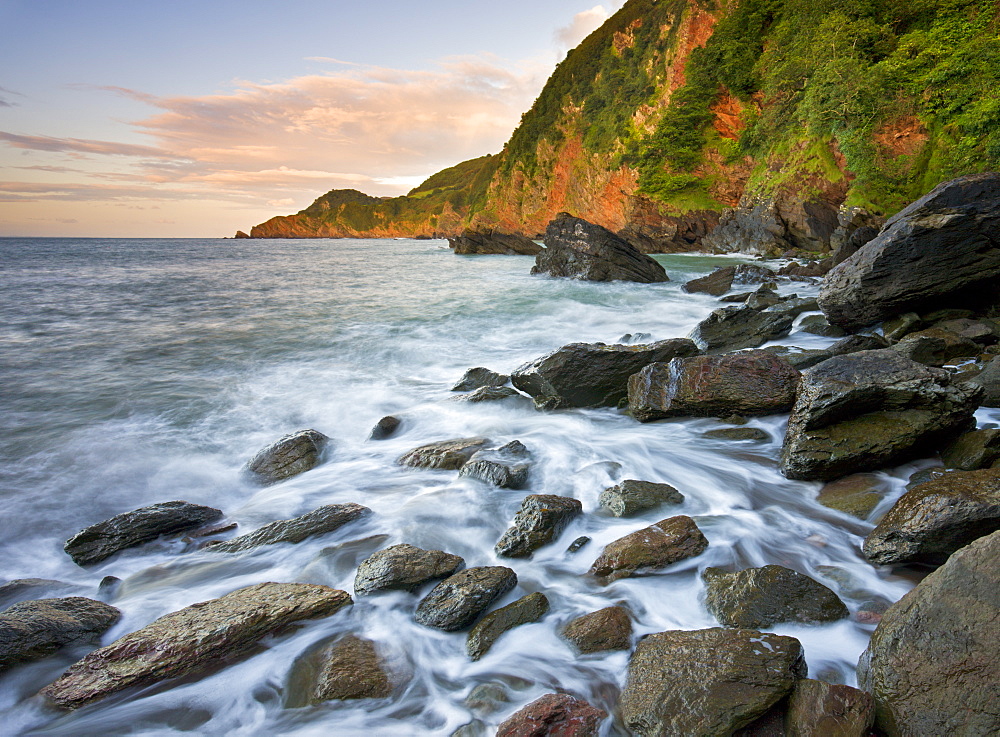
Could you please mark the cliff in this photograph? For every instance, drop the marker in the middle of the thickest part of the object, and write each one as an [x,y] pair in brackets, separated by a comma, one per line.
[769,116]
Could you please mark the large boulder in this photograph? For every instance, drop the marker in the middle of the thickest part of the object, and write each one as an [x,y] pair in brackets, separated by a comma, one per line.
[192,640]
[554,715]
[31,630]
[317,522]
[761,597]
[493,242]
[942,249]
[539,521]
[288,456]
[750,383]
[446,455]
[934,519]
[403,567]
[707,682]
[487,631]
[581,250]
[871,409]
[129,529]
[649,549]
[459,600]
[933,663]
[592,374]
[734,328]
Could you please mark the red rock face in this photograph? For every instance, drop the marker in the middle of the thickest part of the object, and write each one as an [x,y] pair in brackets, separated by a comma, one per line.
[554,715]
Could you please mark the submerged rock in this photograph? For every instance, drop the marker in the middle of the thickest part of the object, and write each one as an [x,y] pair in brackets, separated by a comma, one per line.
[493,242]
[446,455]
[632,497]
[581,250]
[288,456]
[317,522]
[385,428]
[554,715]
[459,600]
[193,639]
[130,529]
[403,567]
[507,466]
[755,598]
[738,433]
[933,663]
[707,682]
[352,669]
[31,630]
[540,520]
[606,629]
[649,549]
[856,495]
[479,377]
[487,631]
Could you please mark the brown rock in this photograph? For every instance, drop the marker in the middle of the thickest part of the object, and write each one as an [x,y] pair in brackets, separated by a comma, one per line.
[527,609]
[554,715]
[856,495]
[606,629]
[459,600]
[818,709]
[973,450]
[352,669]
[403,567]
[761,597]
[288,456]
[446,455]
[649,549]
[31,630]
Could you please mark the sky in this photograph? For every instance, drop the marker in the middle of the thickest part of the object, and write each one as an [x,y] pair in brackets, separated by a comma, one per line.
[195,118]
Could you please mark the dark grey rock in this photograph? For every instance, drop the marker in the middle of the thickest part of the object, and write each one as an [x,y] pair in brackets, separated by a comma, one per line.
[818,325]
[490,394]
[540,520]
[403,567]
[487,631]
[493,242]
[446,455]
[130,529]
[733,328]
[459,600]
[756,598]
[31,630]
[606,629]
[800,358]
[716,284]
[856,343]
[385,428]
[989,380]
[855,227]
[288,456]
[631,497]
[577,544]
[23,589]
[936,347]
[317,522]
[649,549]
[476,378]
[507,467]
[738,433]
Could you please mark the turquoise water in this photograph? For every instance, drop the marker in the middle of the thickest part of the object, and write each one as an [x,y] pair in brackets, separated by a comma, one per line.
[141,371]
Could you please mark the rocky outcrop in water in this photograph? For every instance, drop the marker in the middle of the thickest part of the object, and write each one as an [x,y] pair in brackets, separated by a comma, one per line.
[581,250]
[506,467]
[193,639]
[857,495]
[130,529]
[352,669]
[755,598]
[558,715]
[446,455]
[868,410]
[751,383]
[490,394]
[606,629]
[539,521]
[317,522]
[385,428]
[649,549]
[632,497]
[933,663]
[707,682]
[288,456]
[459,600]
[493,242]
[487,631]
[943,249]
[403,567]
[723,278]
[31,630]
[733,328]
[592,374]
[478,377]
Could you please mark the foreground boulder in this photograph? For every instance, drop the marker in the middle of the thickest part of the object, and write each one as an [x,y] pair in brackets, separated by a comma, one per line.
[933,663]
[317,522]
[871,409]
[493,242]
[352,669]
[934,519]
[539,521]
[581,250]
[707,682]
[650,549]
[459,600]
[942,249]
[31,630]
[193,639]
[735,328]
[755,598]
[592,374]
[129,529]
[750,383]
[403,568]
[446,455]
[606,629]
[632,497]
[288,456]
[555,715]
[507,466]
[527,609]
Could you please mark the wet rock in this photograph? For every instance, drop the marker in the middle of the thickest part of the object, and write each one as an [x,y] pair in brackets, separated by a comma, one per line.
[869,410]
[581,250]
[634,338]
[936,518]
[479,377]
[487,631]
[193,639]
[941,249]
[973,450]
[385,428]
[716,284]
[489,394]
[403,568]
[506,467]
[317,522]
[904,324]
[606,629]
[459,600]
[807,270]
[288,456]
[733,328]
[707,682]
[935,347]
[855,227]
[352,669]
[650,549]
[632,497]
[799,358]
[130,529]
[818,709]
[493,242]
[31,630]
[761,597]
[23,589]
[989,381]
[763,298]
[856,495]
[933,663]
[577,544]
[554,715]
[446,455]
[750,383]
[818,325]
[539,521]
[592,374]
[928,474]
[487,698]
[857,343]
[738,433]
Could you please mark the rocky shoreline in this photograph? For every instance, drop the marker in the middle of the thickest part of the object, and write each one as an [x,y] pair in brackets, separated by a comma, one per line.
[921,324]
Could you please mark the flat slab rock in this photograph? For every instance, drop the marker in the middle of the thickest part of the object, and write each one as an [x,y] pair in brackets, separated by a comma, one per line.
[558,715]
[933,663]
[650,549]
[31,630]
[317,522]
[707,682]
[755,598]
[192,639]
[606,629]
[934,519]
[288,456]
[488,630]
[539,521]
[130,529]
[403,567]
[631,497]
[459,600]
[735,328]
[446,455]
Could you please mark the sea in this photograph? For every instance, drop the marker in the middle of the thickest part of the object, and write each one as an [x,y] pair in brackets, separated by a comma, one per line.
[134,372]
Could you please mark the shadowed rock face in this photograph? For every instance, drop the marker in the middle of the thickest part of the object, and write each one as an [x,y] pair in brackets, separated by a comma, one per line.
[761,597]
[818,709]
[557,715]
[493,242]
[288,456]
[933,663]
[31,630]
[459,600]
[649,549]
[403,567]
[944,247]
[527,609]
[734,328]
[317,522]
[192,639]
